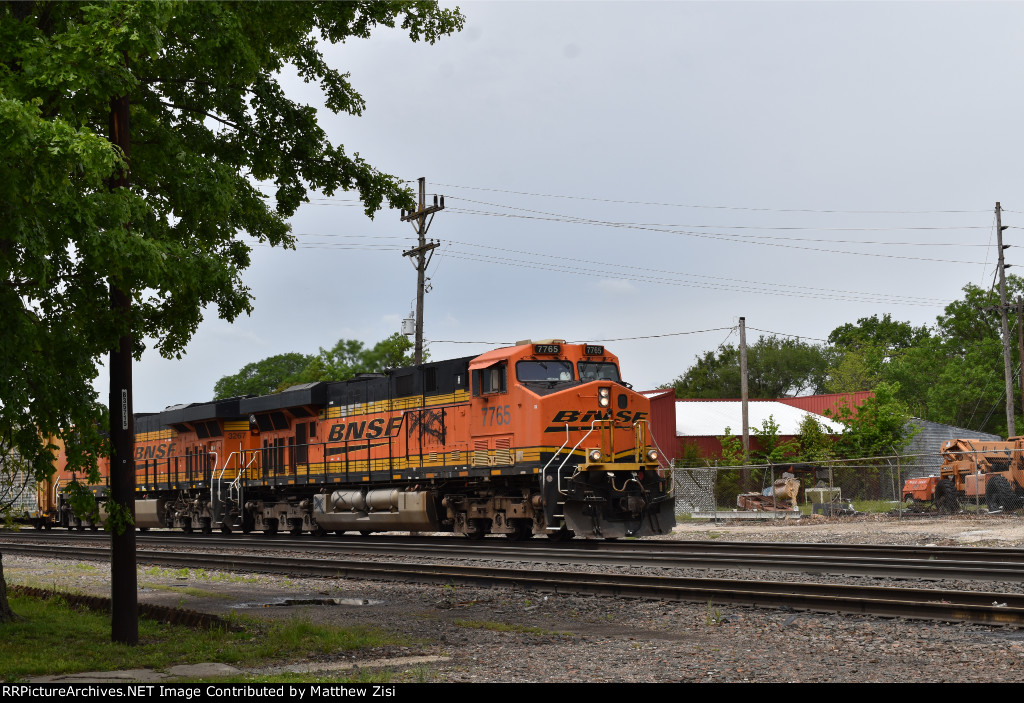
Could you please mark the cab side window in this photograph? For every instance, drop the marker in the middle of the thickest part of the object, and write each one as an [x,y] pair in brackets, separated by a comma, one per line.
[492,379]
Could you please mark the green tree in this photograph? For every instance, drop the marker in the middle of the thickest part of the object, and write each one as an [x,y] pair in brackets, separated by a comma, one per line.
[815,443]
[349,357]
[776,367]
[950,373]
[339,363]
[270,375]
[879,426]
[865,351]
[209,119]
[772,449]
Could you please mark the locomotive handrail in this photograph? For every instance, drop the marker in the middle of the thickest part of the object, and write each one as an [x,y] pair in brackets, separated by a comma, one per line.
[219,477]
[557,452]
[569,455]
[255,454]
[671,484]
[214,481]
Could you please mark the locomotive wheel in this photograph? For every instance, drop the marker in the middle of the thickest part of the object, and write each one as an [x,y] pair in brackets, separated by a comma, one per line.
[319,532]
[339,532]
[523,531]
[482,528]
[295,526]
[186,526]
[999,495]
[366,533]
[207,525]
[946,499]
[225,528]
[270,527]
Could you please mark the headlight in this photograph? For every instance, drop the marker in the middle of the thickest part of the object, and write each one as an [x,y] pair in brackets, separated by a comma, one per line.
[652,455]
[594,455]
[604,397]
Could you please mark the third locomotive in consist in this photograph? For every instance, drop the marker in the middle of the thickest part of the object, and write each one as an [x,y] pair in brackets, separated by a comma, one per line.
[537,438]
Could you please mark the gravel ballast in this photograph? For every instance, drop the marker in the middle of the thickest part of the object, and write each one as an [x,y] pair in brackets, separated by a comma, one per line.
[516,635]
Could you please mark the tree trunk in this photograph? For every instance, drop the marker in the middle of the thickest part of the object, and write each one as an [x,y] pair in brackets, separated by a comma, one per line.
[6,614]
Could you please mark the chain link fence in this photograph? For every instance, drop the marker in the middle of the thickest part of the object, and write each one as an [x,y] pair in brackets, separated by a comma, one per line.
[866,485]
[17,489]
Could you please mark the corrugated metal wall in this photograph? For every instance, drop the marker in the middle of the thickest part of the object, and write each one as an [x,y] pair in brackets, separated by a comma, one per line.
[830,401]
[923,453]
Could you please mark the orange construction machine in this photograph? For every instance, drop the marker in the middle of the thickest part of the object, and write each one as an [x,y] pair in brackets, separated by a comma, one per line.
[975,470]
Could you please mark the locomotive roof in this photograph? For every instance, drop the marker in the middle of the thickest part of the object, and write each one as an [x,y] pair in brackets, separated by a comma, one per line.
[314,393]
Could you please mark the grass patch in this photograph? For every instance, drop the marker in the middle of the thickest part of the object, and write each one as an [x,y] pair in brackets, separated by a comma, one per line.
[874,506]
[505,627]
[202,574]
[52,638]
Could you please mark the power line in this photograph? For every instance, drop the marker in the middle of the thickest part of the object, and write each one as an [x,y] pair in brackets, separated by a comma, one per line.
[575,218]
[723,237]
[642,274]
[713,207]
[784,334]
[588,339]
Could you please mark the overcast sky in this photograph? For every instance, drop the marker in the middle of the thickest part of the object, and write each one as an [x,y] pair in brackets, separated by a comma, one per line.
[637,171]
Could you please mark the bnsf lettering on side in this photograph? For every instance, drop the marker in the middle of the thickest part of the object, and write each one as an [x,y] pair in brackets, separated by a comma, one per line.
[570,416]
[160,451]
[364,429]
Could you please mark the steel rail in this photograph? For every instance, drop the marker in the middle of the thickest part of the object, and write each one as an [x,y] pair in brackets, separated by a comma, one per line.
[650,546]
[906,563]
[929,604]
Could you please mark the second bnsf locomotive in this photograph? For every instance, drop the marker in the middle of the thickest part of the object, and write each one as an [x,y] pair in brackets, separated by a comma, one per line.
[537,438]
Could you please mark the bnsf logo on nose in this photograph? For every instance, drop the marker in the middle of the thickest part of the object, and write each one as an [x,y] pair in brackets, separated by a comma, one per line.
[565,416]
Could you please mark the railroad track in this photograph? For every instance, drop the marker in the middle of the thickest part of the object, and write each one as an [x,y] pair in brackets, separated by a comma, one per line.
[930,604]
[925,563]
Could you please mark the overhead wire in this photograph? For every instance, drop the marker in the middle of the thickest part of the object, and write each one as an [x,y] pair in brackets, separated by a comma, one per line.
[709,207]
[641,274]
[576,218]
[720,236]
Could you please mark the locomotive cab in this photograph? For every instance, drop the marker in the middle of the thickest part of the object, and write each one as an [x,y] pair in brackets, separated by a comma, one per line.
[583,434]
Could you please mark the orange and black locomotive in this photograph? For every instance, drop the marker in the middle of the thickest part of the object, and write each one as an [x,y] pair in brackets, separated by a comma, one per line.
[537,438]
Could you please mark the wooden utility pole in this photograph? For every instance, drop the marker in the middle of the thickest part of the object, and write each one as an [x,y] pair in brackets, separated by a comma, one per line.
[421,219]
[124,603]
[1011,428]
[1020,346]
[743,390]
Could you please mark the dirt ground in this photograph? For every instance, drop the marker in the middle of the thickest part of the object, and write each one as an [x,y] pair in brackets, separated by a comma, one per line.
[962,530]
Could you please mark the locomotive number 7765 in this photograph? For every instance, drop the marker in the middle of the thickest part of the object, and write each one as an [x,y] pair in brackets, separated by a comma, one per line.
[497,415]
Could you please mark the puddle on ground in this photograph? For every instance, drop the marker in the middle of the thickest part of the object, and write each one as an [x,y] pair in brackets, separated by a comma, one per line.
[310,601]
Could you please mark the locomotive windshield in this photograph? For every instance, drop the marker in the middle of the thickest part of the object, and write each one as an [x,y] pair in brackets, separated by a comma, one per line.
[599,371]
[551,371]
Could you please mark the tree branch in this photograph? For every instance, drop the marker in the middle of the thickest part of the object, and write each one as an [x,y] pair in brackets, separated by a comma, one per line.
[201,112]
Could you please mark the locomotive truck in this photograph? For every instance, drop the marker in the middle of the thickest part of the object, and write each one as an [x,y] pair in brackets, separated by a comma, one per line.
[536,438]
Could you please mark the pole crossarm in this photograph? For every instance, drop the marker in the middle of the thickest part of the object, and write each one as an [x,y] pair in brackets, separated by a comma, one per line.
[422,254]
